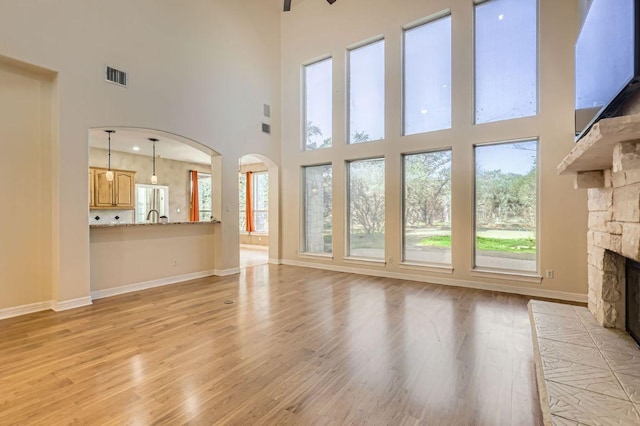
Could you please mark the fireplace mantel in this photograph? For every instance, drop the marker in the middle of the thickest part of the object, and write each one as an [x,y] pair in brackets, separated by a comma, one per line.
[594,151]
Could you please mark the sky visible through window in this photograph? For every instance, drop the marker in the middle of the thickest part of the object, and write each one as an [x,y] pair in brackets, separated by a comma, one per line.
[318,104]
[427,77]
[366,93]
[504,157]
[506,59]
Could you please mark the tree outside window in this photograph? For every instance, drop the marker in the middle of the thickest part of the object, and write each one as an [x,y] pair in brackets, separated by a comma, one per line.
[506,206]
[366,208]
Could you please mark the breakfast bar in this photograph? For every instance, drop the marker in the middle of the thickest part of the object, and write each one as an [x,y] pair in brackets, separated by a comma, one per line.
[130,257]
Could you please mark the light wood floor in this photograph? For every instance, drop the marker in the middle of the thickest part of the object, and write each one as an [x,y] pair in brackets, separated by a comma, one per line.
[253,255]
[298,346]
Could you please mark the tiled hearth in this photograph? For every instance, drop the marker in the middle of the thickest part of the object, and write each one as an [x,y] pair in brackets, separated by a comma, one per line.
[587,374]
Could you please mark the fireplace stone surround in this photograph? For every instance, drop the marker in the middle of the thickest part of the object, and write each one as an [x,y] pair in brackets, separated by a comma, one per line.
[607,163]
[587,366]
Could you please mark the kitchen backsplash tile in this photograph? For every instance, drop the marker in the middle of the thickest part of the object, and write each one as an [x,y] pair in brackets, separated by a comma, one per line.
[107,217]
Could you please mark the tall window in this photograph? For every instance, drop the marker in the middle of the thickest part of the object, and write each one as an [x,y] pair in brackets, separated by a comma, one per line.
[506,59]
[254,202]
[242,187]
[318,99]
[317,209]
[427,207]
[427,77]
[506,206]
[204,196]
[366,93]
[261,202]
[366,208]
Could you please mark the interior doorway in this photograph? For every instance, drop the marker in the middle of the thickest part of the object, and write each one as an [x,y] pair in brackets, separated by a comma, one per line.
[254,197]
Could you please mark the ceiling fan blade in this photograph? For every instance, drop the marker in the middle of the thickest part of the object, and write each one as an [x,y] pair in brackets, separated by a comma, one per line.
[331,1]
[287,5]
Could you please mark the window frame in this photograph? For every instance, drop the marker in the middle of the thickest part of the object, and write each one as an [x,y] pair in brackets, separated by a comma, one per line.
[254,188]
[304,113]
[350,49]
[347,228]
[413,25]
[240,205]
[303,211]
[403,259]
[474,84]
[505,271]
[208,175]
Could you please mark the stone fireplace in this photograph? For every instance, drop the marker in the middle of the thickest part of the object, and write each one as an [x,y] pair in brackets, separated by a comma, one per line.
[587,373]
[607,164]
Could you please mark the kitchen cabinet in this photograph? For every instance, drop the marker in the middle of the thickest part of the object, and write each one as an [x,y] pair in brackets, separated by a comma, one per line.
[118,194]
[92,201]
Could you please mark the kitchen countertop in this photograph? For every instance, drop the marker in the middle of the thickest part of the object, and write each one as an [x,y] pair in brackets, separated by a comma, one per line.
[125,225]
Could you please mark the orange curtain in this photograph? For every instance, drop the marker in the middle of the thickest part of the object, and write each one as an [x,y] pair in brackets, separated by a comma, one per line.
[249,206]
[195,199]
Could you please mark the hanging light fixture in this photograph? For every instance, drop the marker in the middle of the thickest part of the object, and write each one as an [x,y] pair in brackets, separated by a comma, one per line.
[154,178]
[109,174]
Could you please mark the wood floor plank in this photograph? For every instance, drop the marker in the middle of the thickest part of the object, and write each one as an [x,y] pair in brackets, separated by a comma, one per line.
[297,346]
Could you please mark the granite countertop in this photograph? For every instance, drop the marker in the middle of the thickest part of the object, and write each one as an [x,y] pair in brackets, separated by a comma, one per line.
[125,225]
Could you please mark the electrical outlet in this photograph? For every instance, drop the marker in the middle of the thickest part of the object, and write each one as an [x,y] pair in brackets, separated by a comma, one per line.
[175,262]
[549,273]
[391,260]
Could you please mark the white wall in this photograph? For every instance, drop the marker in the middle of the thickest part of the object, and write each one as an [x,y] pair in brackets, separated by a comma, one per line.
[25,186]
[201,69]
[562,211]
[128,255]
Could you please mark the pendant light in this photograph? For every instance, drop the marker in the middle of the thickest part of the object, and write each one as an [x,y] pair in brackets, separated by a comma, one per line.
[109,174]
[154,178]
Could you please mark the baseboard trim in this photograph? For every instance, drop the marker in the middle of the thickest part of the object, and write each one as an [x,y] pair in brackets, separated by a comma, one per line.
[16,311]
[65,305]
[130,288]
[525,291]
[275,262]
[226,272]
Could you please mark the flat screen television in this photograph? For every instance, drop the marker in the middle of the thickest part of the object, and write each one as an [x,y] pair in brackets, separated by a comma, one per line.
[607,61]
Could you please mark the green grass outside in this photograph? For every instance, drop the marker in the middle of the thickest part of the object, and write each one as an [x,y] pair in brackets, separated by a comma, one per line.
[511,245]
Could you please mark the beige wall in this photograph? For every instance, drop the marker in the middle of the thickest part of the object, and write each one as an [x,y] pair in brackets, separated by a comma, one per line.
[254,239]
[25,186]
[201,70]
[129,255]
[254,167]
[174,174]
[562,211]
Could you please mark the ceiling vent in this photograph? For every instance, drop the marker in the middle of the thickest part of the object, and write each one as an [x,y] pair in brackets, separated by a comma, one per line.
[115,76]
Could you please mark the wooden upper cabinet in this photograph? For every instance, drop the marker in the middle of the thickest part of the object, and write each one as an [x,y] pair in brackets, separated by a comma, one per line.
[118,194]
[103,189]
[125,183]
[92,201]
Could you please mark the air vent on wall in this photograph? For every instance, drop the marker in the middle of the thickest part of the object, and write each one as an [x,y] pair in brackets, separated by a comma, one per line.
[266,128]
[266,110]
[116,76]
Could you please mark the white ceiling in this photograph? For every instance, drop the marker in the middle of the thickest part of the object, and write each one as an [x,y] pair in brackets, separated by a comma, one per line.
[168,146]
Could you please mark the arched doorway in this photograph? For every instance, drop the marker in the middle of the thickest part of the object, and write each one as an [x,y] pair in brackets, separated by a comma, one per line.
[258,210]
[141,176]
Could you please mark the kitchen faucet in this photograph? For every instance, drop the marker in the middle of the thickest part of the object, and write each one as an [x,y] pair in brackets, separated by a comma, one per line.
[157,215]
